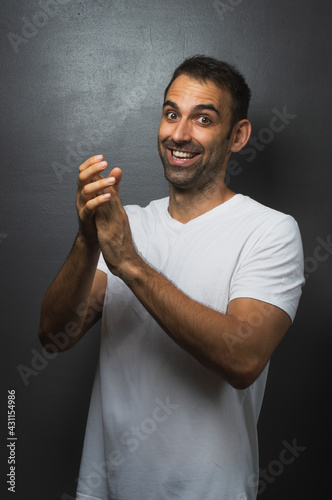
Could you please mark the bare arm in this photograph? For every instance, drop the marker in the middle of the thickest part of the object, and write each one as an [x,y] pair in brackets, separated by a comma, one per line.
[73,302]
[237,344]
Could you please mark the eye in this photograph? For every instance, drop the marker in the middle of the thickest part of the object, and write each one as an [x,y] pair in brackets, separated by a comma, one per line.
[204,120]
[171,115]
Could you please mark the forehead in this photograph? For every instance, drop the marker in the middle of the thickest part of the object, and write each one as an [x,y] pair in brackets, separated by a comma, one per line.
[189,90]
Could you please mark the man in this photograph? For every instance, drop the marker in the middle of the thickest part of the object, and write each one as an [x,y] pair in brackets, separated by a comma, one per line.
[197,290]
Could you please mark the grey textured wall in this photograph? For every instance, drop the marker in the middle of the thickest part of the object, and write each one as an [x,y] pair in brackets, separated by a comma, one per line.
[86,77]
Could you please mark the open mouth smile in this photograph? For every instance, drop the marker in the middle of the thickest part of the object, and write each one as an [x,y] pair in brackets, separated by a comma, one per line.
[181,157]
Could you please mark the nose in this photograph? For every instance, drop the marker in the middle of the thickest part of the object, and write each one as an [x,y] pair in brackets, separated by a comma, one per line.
[182,131]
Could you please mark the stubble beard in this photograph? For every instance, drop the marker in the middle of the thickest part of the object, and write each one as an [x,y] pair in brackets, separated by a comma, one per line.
[199,177]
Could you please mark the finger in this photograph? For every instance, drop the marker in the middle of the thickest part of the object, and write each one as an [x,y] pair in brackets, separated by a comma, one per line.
[97,187]
[90,161]
[91,173]
[117,174]
[91,205]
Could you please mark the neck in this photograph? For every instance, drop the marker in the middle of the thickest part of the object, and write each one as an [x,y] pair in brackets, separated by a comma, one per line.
[185,205]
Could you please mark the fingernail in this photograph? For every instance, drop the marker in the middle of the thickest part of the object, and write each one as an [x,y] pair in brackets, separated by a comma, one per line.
[110,180]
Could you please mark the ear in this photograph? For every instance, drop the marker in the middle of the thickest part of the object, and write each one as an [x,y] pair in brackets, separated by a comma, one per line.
[240,135]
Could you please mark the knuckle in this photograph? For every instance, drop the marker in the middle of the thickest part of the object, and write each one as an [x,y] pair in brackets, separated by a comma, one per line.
[85,190]
[89,205]
[80,179]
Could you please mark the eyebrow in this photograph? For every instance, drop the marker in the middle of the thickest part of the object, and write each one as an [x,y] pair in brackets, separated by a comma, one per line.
[197,107]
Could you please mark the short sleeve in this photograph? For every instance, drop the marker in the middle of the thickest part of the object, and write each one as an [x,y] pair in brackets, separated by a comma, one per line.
[272,270]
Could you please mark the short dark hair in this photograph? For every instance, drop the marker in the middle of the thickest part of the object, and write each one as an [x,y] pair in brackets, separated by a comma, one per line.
[225,75]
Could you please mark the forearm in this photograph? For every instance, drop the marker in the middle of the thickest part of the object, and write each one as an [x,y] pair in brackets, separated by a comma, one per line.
[65,303]
[198,329]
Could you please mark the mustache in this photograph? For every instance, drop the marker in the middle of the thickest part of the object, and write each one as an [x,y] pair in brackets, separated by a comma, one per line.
[188,147]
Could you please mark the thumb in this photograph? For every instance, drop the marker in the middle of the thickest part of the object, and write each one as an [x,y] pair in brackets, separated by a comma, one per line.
[117,173]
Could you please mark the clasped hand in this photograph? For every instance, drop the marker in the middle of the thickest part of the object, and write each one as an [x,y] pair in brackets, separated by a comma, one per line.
[103,220]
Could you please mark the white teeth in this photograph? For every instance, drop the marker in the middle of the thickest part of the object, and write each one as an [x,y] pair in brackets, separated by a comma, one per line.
[181,154]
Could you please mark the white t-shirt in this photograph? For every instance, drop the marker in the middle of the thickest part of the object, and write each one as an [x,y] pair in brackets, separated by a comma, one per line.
[161,426]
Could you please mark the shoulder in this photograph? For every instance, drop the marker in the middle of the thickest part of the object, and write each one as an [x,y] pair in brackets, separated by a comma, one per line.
[270,264]
[265,230]
[265,218]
